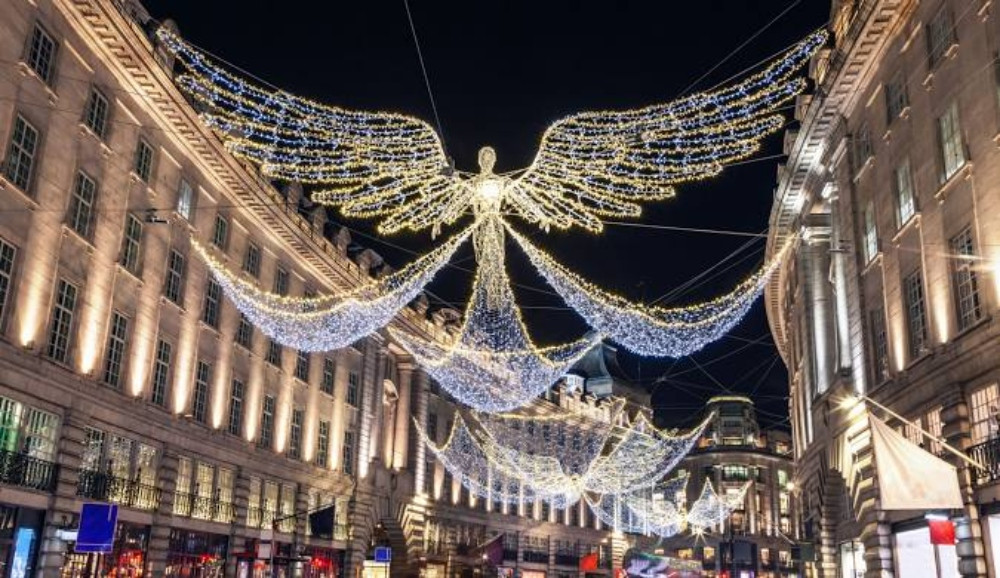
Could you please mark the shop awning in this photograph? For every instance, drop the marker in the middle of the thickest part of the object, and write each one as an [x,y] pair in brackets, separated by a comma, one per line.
[909,477]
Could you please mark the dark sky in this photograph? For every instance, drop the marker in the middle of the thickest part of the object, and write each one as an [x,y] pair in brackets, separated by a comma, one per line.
[501,72]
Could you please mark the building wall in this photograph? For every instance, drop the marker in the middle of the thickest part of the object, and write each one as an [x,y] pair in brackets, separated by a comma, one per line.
[179,439]
[846,319]
[733,453]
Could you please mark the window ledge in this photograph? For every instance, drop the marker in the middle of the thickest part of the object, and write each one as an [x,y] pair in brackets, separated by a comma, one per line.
[87,131]
[912,222]
[28,71]
[876,260]
[5,185]
[963,172]
[925,354]
[984,320]
[167,301]
[984,9]
[72,233]
[206,326]
[869,162]
[130,274]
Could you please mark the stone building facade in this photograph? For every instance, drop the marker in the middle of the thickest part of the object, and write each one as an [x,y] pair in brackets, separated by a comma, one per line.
[891,187]
[126,377]
[733,452]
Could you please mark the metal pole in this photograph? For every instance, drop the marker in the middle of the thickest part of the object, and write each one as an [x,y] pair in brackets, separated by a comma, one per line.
[924,432]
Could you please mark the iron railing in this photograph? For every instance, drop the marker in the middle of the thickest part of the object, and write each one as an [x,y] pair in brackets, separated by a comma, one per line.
[204,508]
[987,454]
[109,488]
[20,469]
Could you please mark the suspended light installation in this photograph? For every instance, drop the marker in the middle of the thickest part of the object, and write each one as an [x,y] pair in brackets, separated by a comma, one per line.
[589,166]
[331,321]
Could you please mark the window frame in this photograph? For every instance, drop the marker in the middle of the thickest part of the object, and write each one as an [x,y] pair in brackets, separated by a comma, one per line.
[917,331]
[49,75]
[95,119]
[142,165]
[131,250]
[116,350]
[17,149]
[952,155]
[59,311]
[174,278]
[81,211]
[964,274]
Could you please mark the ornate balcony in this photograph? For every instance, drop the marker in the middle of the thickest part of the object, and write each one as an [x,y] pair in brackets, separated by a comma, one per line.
[988,454]
[20,469]
[108,488]
[204,508]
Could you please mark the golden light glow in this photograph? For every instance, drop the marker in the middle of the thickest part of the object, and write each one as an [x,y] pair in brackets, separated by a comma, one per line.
[90,340]
[588,166]
[30,312]
[139,364]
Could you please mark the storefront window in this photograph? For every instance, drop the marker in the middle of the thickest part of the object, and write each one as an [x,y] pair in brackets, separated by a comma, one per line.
[916,557]
[852,560]
[126,560]
[196,554]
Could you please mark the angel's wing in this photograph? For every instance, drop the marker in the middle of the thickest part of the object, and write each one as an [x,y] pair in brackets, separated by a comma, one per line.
[602,164]
[375,164]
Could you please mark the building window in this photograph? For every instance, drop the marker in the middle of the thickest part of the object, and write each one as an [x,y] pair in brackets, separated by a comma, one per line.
[251,261]
[349,453]
[21,154]
[353,388]
[323,444]
[143,160]
[42,54]
[984,408]
[940,36]
[173,285]
[281,281]
[950,141]
[62,321]
[896,99]
[8,254]
[199,404]
[432,426]
[96,115]
[267,422]
[244,332]
[905,203]
[861,147]
[295,436]
[161,373]
[329,371]
[132,244]
[871,233]
[273,353]
[185,199]
[965,279]
[117,343]
[210,313]
[935,426]
[80,216]
[236,407]
[916,314]
[302,365]
[220,233]
[880,345]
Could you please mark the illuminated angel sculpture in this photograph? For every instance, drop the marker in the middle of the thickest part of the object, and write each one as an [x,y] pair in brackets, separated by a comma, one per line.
[589,166]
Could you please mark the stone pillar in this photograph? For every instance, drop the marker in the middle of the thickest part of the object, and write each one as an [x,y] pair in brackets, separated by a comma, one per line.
[401,444]
[370,403]
[159,533]
[238,531]
[815,267]
[956,430]
[64,504]
[420,387]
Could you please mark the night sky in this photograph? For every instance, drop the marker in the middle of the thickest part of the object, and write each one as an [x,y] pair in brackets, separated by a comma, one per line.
[503,71]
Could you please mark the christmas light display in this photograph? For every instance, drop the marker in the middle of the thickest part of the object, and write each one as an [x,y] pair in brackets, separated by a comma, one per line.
[618,460]
[650,330]
[659,509]
[492,365]
[332,321]
[710,509]
[588,166]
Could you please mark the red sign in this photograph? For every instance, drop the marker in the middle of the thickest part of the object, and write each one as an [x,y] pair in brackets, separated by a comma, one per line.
[942,532]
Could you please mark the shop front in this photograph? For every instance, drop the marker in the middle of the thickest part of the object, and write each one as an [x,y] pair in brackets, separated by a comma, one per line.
[20,529]
[196,554]
[917,557]
[321,562]
[127,559]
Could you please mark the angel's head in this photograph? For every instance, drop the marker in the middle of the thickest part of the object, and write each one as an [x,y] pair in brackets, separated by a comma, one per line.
[487,160]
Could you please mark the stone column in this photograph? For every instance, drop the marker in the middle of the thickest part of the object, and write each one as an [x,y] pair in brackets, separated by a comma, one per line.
[159,533]
[64,506]
[401,444]
[815,267]
[420,386]
[956,430]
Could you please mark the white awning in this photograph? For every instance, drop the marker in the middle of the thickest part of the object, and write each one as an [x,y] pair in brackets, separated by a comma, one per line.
[910,478]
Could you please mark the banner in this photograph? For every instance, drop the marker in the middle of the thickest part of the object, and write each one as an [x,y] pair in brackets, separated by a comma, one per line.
[910,478]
